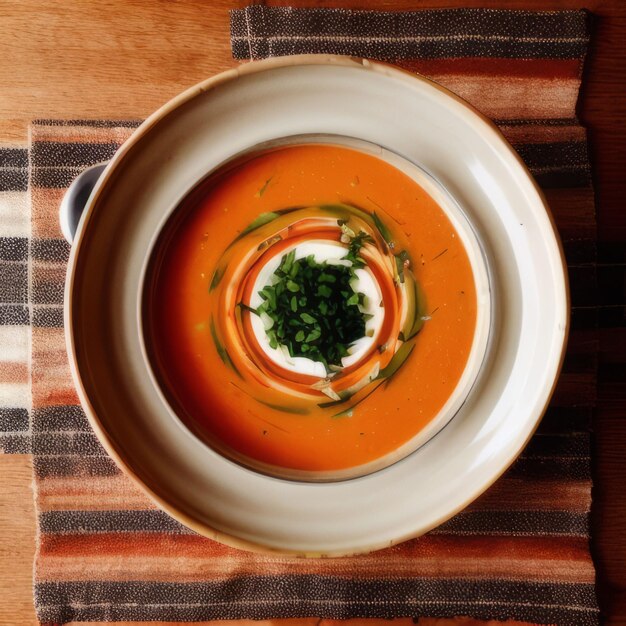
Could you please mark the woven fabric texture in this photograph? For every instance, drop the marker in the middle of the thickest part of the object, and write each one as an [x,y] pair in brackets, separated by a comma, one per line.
[521,552]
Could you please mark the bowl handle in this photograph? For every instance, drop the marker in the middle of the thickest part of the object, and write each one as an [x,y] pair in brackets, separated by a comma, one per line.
[76,198]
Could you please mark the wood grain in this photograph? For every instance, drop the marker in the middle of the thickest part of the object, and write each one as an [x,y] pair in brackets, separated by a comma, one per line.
[106,59]
[123,59]
[17,541]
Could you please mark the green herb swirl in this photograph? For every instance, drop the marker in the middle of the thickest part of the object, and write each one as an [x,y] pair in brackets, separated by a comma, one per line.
[312,308]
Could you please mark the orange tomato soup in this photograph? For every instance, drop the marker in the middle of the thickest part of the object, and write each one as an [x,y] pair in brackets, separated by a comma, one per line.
[208,395]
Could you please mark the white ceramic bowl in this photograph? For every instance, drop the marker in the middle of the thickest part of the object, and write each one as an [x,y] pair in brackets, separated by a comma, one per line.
[483,178]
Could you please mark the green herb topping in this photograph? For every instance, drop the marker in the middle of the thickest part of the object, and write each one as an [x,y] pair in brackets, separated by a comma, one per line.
[312,308]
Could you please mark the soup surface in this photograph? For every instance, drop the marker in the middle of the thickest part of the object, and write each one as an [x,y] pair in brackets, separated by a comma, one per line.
[271,368]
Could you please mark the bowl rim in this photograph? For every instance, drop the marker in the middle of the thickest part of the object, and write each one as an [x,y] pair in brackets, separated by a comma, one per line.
[143,129]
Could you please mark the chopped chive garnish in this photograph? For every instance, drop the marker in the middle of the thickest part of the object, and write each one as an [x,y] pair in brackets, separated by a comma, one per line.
[402,258]
[400,268]
[313,306]
[383,230]
[245,307]
[397,361]
[263,189]
[297,410]
[217,277]
[287,261]
[261,220]
[221,350]
[268,292]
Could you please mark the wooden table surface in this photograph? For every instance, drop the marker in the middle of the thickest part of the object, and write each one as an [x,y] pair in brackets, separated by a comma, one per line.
[123,59]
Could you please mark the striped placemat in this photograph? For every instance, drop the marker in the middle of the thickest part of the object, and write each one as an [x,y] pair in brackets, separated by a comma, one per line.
[521,552]
[14,312]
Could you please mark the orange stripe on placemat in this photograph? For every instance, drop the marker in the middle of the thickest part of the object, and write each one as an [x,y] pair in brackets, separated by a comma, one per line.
[80,134]
[52,380]
[189,558]
[49,272]
[510,97]
[45,212]
[91,493]
[521,68]
[13,372]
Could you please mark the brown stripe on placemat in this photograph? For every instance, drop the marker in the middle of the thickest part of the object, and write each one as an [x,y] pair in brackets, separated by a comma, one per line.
[13,157]
[13,282]
[49,249]
[516,523]
[76,466]
[547,131]
[48,283]
[13,419]
[259,31]
[60,418]
[543,602]
[14,315]
[68,155]
[47,317]
[440,24]
[566,420]
[64,443]
[13,178]
[14,249]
